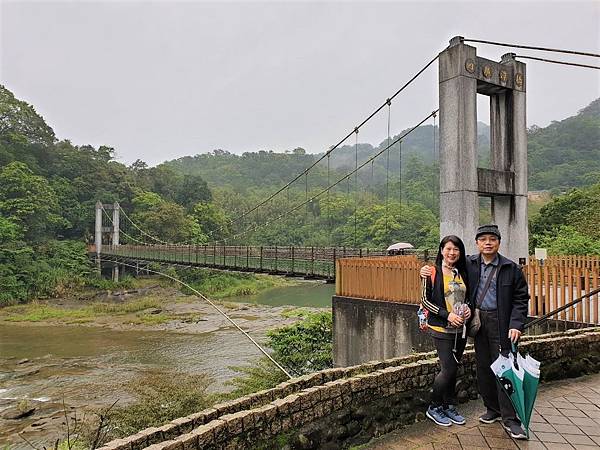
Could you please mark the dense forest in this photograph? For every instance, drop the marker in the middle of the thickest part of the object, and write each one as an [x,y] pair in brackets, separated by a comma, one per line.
[48,189]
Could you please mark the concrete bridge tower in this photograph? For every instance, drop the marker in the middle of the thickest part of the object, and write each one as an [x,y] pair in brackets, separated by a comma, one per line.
[113,230]
[463,75]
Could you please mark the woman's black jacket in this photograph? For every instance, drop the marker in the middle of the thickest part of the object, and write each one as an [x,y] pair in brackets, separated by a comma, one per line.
[432,298]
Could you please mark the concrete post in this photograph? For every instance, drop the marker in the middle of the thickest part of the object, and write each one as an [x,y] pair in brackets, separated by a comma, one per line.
[459,203]
[98,235]
[462,75]
[115,238]
[116,224]
[510,212]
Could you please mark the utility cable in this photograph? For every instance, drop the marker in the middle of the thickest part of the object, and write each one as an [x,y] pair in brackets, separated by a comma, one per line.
[566,63]
[529,47]
[206,299]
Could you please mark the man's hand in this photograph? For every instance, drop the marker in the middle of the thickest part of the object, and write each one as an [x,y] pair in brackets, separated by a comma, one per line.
[455,320]
[425,271]
[466,312]
[514,335]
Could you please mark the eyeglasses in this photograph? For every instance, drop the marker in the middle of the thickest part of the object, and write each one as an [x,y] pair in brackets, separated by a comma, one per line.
[487,239]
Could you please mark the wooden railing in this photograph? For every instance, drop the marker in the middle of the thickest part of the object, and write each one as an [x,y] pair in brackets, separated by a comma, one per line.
[572,261]
[553,286]
[391,278]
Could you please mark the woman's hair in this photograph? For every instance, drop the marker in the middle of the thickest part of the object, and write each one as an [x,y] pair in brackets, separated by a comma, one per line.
[461,264]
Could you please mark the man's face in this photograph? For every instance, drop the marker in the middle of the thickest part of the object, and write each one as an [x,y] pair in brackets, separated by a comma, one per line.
[488,244]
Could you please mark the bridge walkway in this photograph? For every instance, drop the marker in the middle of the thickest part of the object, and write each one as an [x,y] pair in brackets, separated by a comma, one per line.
[567,416]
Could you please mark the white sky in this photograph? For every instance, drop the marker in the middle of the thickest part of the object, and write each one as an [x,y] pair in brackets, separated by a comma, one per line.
[159,80]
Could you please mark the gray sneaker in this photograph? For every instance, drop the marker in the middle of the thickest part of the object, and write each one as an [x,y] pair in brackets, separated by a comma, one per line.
[515,430]
[436,413]
[454,416]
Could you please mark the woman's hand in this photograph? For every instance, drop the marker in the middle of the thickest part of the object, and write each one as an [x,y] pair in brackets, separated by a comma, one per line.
[466,312]
[455,320]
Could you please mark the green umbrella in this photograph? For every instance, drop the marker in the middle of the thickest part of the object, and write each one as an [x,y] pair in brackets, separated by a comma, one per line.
[531,381]
[510,376]
[519,377]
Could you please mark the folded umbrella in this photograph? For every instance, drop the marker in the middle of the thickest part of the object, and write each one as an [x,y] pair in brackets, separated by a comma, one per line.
[510,376]
[519,377]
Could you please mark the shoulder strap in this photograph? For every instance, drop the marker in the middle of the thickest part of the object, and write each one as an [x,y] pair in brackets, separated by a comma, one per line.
[432,276]
[481,296]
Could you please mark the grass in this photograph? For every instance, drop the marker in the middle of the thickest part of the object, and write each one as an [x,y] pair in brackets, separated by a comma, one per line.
[39,312]
[219,284]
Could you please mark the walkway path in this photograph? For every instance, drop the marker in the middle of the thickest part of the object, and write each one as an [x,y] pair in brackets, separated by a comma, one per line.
[567,416]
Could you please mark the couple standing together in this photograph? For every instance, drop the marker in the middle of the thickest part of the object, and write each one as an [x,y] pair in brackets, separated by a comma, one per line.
[452,290]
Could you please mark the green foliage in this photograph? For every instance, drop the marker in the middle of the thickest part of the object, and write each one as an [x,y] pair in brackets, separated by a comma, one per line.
[566,153]
[29,201]
[569,223]
[259,376]
[161,397]
[568,241]
[305,346]
[301,348]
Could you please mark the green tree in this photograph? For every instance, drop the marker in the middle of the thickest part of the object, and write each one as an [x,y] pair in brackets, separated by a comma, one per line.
[29,201]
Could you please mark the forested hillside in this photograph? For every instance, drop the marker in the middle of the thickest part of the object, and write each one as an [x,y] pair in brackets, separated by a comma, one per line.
[566,154]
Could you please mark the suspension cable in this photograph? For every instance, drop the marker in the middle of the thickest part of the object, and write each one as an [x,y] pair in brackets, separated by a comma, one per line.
[387,167]
[355,182]
[121,231]
[566,63]
[529,47]
[345,177]
[400,172]
[336,146]
[140,230]
[206,299]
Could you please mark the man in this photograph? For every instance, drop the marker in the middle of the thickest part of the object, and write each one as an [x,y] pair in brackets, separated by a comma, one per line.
[499,290]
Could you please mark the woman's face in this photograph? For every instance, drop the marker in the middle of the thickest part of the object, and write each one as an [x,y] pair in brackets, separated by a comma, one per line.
[450,253]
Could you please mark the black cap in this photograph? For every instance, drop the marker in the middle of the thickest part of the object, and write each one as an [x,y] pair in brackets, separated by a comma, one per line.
[488,229]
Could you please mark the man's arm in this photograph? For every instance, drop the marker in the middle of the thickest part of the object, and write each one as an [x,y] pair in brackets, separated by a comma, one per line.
[520,301]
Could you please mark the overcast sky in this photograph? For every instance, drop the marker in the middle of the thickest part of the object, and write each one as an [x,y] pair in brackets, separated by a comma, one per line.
[160,80]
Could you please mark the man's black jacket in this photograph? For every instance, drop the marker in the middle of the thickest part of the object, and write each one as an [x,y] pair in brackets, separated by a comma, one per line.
[512,294]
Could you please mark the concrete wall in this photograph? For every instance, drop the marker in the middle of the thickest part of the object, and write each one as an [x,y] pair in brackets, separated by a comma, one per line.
[372,330]
[338,408]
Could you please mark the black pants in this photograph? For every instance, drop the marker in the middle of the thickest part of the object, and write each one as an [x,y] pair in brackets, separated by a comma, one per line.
[444,385]
[487,349]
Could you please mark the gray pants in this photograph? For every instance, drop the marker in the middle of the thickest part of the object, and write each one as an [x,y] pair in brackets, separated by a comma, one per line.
[487,349]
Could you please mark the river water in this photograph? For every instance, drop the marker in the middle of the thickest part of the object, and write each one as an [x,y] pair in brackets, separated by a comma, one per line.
[88,366]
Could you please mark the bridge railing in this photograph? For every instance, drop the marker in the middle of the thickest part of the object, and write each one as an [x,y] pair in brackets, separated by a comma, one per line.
[572,261]
[318,262]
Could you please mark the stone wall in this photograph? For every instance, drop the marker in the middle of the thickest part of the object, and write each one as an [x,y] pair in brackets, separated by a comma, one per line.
[340,407]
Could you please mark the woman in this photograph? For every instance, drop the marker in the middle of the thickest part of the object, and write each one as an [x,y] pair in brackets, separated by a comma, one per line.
[446,300]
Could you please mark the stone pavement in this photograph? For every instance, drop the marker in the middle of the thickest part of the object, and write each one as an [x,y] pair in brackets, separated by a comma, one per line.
[566,416]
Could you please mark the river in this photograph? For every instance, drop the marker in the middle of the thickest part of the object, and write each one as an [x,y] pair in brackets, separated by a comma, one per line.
[88,366]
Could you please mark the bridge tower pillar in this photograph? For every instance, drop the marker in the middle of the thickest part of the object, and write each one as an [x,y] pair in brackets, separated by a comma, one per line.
[463,75]
[98,236]
[115,236]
